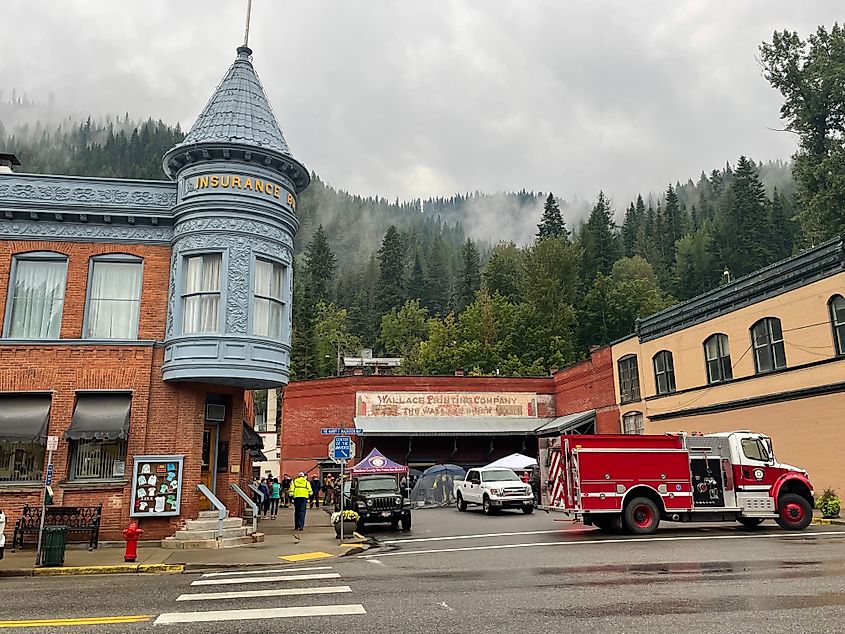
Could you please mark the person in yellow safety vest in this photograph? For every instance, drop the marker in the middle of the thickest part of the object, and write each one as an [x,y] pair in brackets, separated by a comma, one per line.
[300,491]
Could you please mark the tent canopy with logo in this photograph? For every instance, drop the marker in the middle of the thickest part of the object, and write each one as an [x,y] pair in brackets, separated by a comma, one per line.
[376,463]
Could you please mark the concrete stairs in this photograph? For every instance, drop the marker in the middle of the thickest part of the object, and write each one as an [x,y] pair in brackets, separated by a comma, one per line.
[204,532]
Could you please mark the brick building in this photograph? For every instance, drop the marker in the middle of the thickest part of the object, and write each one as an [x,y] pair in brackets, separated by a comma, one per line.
[139,314]
[421,421]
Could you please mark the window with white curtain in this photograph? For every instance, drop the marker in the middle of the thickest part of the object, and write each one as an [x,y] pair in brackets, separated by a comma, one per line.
[268,307]
[114,297]
[37,296]
[201,293]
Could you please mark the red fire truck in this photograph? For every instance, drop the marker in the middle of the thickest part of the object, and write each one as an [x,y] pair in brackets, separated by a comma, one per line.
[629,483]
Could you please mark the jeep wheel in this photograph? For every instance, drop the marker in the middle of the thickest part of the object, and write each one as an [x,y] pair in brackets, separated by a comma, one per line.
[406,522]
[794,512]
[486,506]
[459,502]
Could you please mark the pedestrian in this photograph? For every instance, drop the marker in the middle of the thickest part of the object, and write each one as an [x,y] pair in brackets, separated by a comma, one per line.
[300,491]
[275,498]
[286,481]
[328,490]
[265,492]
[315,491]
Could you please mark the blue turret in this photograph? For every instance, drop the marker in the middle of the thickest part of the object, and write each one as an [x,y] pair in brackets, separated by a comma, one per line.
[229,313]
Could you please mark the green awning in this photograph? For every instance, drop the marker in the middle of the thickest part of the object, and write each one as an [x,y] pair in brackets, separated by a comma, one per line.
[100,417]
[24,417]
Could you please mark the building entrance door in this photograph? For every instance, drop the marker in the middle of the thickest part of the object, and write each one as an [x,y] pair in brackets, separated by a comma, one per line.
[208,471]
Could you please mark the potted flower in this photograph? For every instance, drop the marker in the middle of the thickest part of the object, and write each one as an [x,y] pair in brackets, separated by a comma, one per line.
[828,504]
[348,520]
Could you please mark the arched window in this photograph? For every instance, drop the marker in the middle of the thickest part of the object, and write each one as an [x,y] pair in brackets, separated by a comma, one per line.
[767,341]
[36,295]
[837,320]
[717,354]
[664,372]
[114,297]
[632,423]
[629,379]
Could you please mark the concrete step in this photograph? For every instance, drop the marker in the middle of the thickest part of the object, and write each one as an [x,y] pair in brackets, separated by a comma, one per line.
[199,544]
[208,515]
[213,524]
[183,535]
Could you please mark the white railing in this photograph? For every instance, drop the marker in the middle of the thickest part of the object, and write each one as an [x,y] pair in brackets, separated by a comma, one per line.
[217,504]
[251,504]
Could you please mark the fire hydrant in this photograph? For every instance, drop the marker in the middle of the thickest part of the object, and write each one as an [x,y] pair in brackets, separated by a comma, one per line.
[131,536]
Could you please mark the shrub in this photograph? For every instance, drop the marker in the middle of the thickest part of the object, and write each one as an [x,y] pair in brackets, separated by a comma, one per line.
[829,503]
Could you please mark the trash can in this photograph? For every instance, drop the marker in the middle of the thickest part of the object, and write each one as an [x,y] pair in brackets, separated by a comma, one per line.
[55,540]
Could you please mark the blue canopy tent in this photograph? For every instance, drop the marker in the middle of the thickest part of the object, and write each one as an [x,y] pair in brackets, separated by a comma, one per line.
[376,463]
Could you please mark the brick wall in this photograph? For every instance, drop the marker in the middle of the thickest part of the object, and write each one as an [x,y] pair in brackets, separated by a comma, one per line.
[589,385]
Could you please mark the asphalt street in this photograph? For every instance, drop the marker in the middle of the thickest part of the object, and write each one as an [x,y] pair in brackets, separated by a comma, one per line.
[465,572]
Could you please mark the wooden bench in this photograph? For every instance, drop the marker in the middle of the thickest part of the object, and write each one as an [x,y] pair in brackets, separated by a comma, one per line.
[78,519]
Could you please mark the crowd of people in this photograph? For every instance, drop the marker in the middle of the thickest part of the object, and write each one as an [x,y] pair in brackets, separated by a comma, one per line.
[301,492]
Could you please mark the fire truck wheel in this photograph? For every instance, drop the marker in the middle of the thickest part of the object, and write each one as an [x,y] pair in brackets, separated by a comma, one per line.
[641,516]
[794,512]
[459,502]
[750,522]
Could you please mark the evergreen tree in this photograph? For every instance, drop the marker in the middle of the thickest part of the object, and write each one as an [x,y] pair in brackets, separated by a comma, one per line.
[391,289]
[418,281]
[696,269]
[363,315]
[551,224]
[320,262]
[782,229]
[598,240]
[744,222]
[470,280]
[672,225]
[504,272]
[439,284]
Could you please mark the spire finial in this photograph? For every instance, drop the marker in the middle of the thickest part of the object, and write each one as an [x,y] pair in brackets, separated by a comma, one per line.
[246,28]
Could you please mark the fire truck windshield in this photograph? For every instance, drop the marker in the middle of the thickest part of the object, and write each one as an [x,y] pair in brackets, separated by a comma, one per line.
[754,449]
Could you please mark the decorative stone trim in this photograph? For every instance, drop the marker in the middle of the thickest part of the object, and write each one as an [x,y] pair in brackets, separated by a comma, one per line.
[79,232]
[70,191]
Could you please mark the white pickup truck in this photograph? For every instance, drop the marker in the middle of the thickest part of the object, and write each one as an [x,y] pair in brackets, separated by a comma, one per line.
[494,488]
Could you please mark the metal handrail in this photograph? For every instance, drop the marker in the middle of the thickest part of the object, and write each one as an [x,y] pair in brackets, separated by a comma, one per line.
[252,505]
[217,504]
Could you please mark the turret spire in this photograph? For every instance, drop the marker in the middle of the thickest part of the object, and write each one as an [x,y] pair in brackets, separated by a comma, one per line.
[246,28]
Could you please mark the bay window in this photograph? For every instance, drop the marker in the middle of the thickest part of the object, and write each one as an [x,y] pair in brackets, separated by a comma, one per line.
[114,297]
[201,293]
[37,293]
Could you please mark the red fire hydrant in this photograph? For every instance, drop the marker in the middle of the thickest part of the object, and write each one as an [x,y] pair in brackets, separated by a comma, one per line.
[131,536]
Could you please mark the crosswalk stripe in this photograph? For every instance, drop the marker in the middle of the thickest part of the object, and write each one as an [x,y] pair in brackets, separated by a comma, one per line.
[263,572]
[220,582]
[253,614]
[275,592]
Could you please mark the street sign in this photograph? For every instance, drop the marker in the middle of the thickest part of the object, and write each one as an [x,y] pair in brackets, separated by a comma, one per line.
[49,474]
[337,431]
[345,454]
[52,443]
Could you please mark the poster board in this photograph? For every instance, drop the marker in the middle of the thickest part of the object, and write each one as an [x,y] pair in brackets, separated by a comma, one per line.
[157,486]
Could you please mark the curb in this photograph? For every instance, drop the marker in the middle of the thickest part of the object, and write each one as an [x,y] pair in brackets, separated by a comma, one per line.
[821,521]
[92,570]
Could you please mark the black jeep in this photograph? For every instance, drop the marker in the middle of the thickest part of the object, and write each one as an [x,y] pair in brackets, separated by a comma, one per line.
[378,499]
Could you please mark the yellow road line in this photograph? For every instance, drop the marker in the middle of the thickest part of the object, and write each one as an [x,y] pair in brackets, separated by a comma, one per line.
[306,556]
[94,620]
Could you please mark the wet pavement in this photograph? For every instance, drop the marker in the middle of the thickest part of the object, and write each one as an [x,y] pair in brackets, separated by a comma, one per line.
[465,572]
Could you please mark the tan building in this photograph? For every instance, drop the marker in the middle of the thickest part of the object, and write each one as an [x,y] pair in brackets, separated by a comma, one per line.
[765,353]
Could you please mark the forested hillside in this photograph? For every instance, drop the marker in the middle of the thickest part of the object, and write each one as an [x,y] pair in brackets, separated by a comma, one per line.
[517,283]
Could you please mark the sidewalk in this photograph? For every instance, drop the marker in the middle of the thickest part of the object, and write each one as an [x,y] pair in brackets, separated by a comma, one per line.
[279,547]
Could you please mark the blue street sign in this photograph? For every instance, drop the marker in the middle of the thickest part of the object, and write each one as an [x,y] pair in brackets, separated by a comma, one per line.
[342,449]
[335,431]
[49,474]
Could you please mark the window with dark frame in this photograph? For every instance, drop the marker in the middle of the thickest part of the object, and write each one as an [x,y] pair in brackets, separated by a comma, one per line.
[717,355]
[664,372]
[632,423]
[95,459]
[767,341]
[837,321]
[629,379]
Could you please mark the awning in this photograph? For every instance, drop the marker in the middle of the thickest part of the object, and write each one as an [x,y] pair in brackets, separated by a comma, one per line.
[24,417]
[251,439]
[449,425]
[100,417]
[257,455]
[569,424]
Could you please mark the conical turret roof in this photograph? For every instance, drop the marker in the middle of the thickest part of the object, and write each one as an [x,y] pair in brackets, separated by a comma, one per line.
[239,112]
[239,116]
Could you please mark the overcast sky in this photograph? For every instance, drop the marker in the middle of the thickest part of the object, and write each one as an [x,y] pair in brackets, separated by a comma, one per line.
[423,98]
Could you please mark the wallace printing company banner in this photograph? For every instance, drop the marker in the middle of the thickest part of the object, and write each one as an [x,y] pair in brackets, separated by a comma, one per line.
[446,404]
